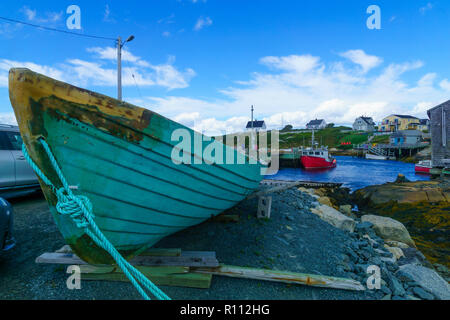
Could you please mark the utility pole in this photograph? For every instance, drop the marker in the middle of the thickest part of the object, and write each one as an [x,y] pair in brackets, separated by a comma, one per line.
[252,117]
[120,45]
[119,69]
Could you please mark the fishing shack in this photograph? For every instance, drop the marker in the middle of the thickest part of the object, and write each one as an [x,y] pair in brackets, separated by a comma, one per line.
[440,134]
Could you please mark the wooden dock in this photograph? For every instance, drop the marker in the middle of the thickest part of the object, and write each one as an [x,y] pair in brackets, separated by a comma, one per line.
[305,184]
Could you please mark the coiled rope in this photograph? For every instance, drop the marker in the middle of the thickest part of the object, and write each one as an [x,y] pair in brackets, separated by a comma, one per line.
[79,209]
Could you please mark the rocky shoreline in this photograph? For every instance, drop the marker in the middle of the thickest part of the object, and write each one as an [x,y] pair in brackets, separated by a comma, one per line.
[423,207]
[381,240]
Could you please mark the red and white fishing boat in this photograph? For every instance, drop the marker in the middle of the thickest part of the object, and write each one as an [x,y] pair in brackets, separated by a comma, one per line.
[317,158]
[424,166]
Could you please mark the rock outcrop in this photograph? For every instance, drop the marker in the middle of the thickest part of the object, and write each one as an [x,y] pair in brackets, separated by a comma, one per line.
[334,217]
[422,206]
[389,229]
[426,279]
[403,192]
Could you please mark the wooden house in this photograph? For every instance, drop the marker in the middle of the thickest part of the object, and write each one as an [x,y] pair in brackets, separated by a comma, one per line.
[440,134]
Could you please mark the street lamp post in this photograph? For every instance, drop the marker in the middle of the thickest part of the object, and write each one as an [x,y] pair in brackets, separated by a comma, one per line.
[120,45]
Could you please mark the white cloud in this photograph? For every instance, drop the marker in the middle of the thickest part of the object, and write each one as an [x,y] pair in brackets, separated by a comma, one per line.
[365,61]
[6,64]
[298,88]
[110,53]
[292,90]
[166,34]
[426,8]
[292,63]
[202,22]
[445,85]
[30,14]
[97,73]
[50,17]
[167,20]
[107,15]
[8,118]
[427,80]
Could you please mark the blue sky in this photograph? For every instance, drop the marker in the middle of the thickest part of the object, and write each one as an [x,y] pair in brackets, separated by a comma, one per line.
[205,62]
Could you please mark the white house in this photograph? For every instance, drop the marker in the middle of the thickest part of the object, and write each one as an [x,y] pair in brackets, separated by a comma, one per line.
[364,124]
[316,124]
[256,126]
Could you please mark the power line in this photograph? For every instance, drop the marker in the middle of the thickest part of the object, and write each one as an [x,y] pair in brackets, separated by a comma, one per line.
[56,30]
[135,82]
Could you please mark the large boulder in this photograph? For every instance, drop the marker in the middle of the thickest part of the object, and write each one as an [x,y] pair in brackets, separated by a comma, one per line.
[325,201]
[405,192]
[389,229]
[334,217]
[397,244]
[396,252]
[347,210]
[428,279]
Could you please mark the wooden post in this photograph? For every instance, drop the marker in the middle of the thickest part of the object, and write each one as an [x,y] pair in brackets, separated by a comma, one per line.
[264,207]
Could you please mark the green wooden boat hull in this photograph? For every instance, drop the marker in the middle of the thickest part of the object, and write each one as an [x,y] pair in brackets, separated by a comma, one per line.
[119,156]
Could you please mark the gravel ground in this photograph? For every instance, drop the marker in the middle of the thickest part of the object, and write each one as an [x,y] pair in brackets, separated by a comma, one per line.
[292,240]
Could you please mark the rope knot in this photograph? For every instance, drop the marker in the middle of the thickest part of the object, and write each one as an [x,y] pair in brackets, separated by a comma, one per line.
[74,206]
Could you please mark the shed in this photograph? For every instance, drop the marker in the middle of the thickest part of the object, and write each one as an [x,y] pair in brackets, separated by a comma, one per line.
[406,137]
[440,134]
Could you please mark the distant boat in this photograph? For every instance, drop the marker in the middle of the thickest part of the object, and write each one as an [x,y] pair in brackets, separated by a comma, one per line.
[290,158]
[370,156]
[424,166]
[317,158]
[119,156]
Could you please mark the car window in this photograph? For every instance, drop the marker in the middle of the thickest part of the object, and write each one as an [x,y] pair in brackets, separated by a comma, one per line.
[15,139]
[4,144]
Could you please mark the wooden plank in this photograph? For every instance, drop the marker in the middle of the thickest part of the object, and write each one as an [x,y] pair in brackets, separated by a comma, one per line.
[187,259]
[206,254]
[190,280]
[283,276]
[183,260]
[145,270]
[306,184]
[59,258]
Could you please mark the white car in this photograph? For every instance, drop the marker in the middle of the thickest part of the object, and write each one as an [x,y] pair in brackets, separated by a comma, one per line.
[15,173]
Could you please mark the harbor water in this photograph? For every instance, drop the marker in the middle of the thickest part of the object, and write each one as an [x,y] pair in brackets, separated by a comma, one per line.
[355,173]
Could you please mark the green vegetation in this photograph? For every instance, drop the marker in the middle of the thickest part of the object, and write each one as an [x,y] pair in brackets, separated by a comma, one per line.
[287,128]
[332,137]
[428,223]
[384,139]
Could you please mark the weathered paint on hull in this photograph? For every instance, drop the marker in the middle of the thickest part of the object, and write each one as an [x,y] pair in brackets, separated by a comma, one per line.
[119,156]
